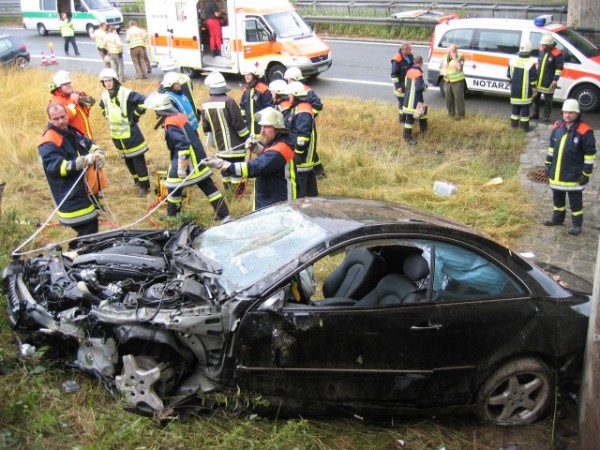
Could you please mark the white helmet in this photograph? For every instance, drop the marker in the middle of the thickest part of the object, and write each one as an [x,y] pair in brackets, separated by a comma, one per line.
[279,87]
[571,105]
[270,117]
[256,71]
[108,74]
[216,83]
[297,89]
[61,77]
[547,39]
[170,79]
[161,103]
[167,64]
[525,50]
[293,73]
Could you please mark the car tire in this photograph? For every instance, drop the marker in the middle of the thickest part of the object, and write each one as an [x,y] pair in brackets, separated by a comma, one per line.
[588,97]
[517,393]
[41,29]
[275,72]
[21,62]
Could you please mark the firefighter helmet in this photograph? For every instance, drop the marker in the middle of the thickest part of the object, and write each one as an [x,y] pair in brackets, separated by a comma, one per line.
[108,74]
[170,79]
[61,77]
[297,89]
[525,49]
[270,117]
[256,71]
[547,40]
[216,83]
[294,74]
[571,105]
[161,103]
[279,87]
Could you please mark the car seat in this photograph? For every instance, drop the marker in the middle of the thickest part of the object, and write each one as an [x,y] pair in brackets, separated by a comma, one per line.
[355,276]
[394,289]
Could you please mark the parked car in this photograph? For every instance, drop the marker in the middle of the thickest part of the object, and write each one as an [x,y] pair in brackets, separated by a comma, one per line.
[321,304]
[424,15]
[13,52]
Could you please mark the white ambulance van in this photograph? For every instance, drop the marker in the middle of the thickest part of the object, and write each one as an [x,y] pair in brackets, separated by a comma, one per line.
[265,34]
[44,15]
[488,44]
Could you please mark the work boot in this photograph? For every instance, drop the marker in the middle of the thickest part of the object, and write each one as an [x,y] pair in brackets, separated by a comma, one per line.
[525,126]
[575,230]
[553,222]
[514,123]
[173,209]
[408,137]
[143,192]
[423,126]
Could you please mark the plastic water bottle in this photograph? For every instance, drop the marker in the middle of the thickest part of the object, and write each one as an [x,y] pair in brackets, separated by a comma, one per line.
[444,188]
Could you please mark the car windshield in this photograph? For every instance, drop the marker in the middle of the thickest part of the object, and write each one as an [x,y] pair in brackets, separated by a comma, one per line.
[588,49]
[258,244]
[288,24]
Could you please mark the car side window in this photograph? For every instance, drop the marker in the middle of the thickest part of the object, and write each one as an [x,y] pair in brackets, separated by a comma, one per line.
[255,31]
[48,5]
[498,41]
[462,38]
[461,274]
[4,45]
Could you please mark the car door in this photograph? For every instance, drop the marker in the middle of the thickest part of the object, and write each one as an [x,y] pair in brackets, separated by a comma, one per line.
[419,354]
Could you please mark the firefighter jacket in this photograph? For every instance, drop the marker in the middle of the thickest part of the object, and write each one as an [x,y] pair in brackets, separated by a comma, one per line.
[66,27]
[274,170]
[571,155]
[452,68]
[314,100]
[58,151]
[183,105]
[415,86]
[185,148]
[112,43]
[550,66]
[79,115]
[187,88]
[400,65]
[136,37]
[222,115]
[522,75]
[123,108]
[301,124]
[255,97]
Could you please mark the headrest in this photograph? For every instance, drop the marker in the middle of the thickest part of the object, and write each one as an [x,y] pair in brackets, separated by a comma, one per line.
[415,267]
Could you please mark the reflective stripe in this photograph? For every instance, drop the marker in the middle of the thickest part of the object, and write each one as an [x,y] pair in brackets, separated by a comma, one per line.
[75,217]
[116,115]
[64,167]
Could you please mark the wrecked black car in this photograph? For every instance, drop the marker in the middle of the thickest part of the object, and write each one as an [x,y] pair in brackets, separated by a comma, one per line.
[333,305]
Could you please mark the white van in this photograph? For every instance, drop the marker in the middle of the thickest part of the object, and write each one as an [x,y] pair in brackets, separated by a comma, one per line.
[488,44]
[268,34]
[44,15]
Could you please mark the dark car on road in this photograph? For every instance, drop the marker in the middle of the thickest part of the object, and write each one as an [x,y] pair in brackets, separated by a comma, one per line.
[331,305]
[13,52]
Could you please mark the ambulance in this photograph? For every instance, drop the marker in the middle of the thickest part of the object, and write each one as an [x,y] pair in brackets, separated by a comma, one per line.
[265,34]
[488,44]
[86,15]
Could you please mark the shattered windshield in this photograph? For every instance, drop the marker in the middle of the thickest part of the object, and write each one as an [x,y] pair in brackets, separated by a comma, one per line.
[258,244]
[288,24]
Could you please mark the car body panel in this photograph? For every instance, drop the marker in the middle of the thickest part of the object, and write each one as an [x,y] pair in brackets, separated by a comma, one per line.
[13,52]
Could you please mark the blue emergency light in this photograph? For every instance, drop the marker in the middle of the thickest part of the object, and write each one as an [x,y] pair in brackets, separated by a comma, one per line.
[540,21]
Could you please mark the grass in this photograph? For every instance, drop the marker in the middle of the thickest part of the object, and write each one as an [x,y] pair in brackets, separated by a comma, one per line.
[362,150]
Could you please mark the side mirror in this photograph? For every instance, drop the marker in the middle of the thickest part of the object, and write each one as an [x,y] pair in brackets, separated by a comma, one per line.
[272,37]
[274,303]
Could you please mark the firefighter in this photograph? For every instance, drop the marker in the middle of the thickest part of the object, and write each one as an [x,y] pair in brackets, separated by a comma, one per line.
[301,122]
[295,74]
[273,168]
[171,85]
[224,125]
[65,153]
[521,75]
[186,152]
[255,97]
[168,65]
[415,86]
[549,67]
[401,62]
[569,164]
[123,108]
[77,103]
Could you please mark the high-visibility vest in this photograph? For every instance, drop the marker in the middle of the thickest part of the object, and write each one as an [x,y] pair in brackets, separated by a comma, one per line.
[452,75]
[112,41]
[66,28]
[136,37]
[117,114]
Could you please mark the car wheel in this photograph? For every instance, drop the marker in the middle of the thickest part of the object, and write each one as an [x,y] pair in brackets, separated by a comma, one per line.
[517,393]
[21,62]
[275,72]
[90,29]
[192,73]
[588,97]
[42,29]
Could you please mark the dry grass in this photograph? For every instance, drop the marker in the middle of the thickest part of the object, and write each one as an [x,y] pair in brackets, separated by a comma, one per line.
[365,156]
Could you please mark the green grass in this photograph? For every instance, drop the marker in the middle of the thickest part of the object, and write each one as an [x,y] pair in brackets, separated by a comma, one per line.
[362,150]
